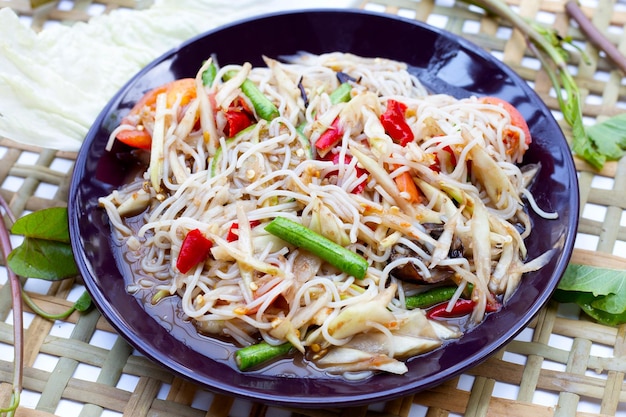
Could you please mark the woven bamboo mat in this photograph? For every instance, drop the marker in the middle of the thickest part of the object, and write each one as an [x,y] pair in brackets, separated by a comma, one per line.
[562,365]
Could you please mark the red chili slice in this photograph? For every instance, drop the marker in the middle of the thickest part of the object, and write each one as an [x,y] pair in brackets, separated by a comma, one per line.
[395,124]
[195,249]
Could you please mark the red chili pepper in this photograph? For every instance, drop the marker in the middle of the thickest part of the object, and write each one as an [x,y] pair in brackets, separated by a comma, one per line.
[436,166]
[329,138]
[195,249]
[395,124]
[236,121]
[238,117]
[462,307]
[232,232]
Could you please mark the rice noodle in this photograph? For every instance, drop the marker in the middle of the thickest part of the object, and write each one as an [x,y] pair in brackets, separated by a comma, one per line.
[253,283]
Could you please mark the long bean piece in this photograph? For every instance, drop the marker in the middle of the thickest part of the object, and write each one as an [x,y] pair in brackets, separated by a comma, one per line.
[329,251]
[254,355]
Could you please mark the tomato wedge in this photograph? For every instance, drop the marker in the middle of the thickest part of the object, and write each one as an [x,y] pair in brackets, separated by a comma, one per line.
[139,137]
[517,120]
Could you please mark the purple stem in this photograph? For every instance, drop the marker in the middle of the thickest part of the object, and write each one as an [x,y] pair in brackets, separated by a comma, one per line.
[16,295]
[595,36]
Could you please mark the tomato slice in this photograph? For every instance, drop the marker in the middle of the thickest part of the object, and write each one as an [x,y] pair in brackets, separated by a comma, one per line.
[517,119]
[139,137]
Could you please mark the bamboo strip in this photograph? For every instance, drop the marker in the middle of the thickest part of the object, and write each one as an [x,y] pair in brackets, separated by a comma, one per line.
[531,376]
[141,399]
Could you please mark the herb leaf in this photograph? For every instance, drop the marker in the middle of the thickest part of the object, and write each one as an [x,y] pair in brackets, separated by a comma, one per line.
[46,252]
[600,292]
[50,224]
[598,281]
[45,259]
[609,136]
[586,301]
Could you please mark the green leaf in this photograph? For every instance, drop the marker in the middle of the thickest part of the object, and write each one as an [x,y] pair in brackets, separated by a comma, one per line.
[600,292]
[586,301]
[612,303]
[582,145]
[45,259]
[609,136]
[83,303]
[598,281]
[602,316]
[48,224]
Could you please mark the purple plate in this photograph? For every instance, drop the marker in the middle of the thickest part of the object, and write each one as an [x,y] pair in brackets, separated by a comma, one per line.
[445,63]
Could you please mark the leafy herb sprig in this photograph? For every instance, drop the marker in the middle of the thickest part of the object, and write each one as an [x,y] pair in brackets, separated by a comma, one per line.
[549,47]
[599,292]
[45,253]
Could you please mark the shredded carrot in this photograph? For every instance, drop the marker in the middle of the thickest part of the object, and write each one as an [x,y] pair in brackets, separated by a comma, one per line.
[406,184]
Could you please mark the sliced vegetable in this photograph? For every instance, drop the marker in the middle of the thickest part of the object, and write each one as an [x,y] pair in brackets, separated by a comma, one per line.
[444,158]
[327,223]
[342,359]
[157,147]
[254,355]
[304,142]
[216,160]
[195,249]
[461,307]
[183,89]
[263,106]
[357,318]
[395,123]
[493,179]
[303,237]
[137,138]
